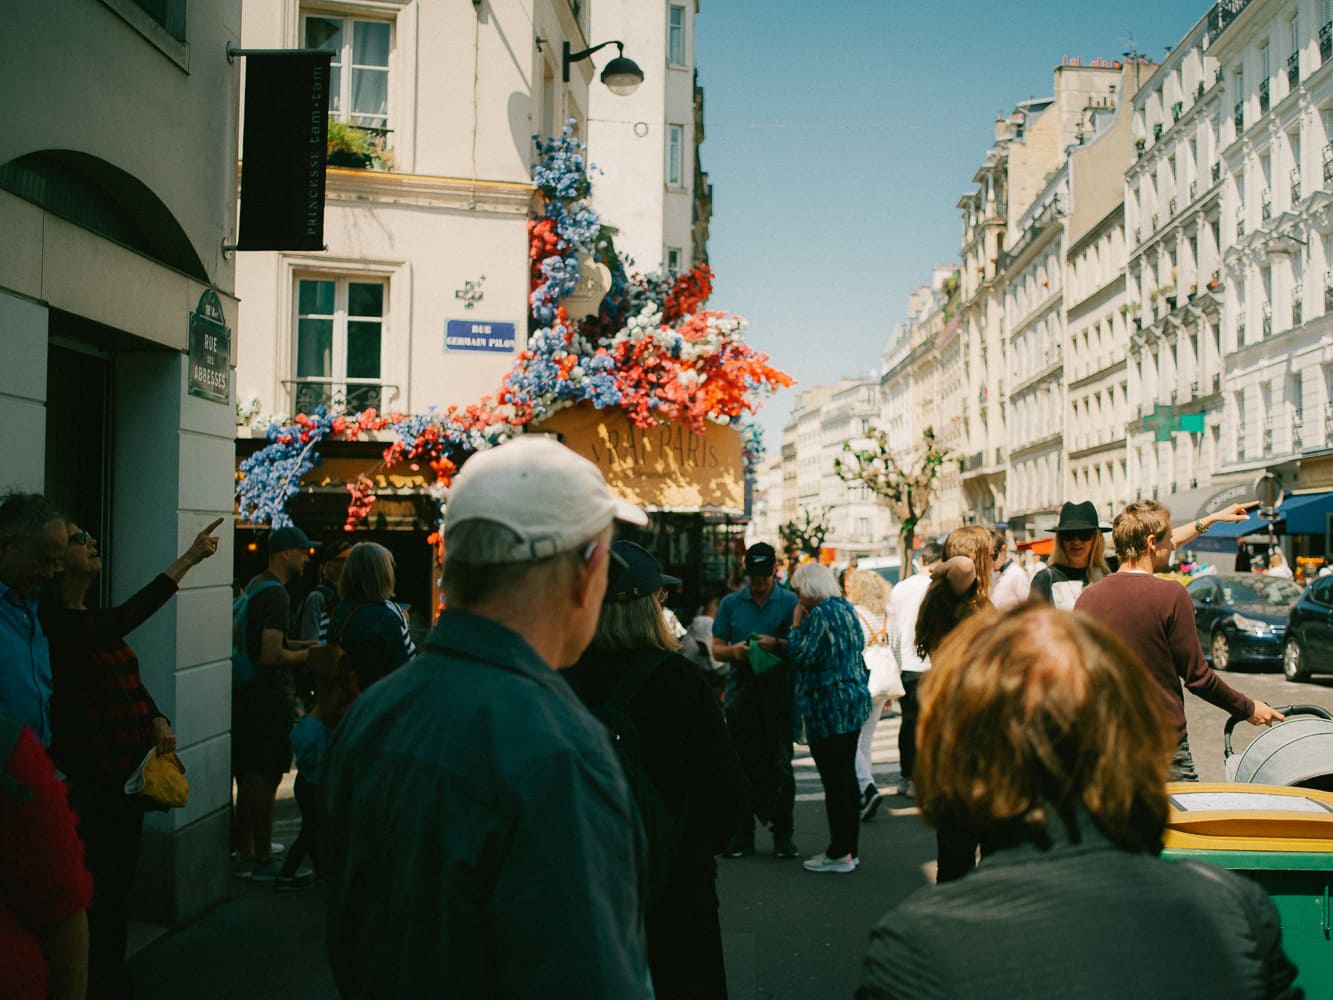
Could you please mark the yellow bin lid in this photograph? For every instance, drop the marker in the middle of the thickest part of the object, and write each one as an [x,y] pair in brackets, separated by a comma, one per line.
[1240,817]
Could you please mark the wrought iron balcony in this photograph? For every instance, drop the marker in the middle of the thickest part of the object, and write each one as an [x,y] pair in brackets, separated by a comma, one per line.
[1263,97]
[1295,185]
[1293,70]
[1238,117]
[1194,189]
[1221,16]
[1268,322]
[1325,43]
[1154,222]
[1157,131]
[1171,208]
[1266,205]
[1217,171]
[1177,110]
[1268,440]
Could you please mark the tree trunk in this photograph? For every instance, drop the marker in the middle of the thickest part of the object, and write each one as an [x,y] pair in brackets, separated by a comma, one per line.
[906,540]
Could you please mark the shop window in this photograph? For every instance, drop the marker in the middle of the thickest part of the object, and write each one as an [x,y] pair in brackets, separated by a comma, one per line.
[339,344]
[359,70]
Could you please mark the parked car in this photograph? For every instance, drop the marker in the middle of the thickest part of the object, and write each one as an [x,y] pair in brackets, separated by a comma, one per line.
[1308,648]
[885,566]
[1242,617]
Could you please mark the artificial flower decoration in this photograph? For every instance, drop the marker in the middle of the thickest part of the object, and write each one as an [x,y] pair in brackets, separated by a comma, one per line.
[652,351]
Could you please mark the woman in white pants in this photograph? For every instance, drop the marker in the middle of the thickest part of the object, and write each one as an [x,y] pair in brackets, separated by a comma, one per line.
[868,593]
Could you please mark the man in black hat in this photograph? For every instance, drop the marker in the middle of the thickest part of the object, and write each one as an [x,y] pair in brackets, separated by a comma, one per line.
[759,706]
[264,707]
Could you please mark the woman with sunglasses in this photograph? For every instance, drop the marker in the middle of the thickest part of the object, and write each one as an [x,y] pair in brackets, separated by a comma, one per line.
[103,722]
[1079,559]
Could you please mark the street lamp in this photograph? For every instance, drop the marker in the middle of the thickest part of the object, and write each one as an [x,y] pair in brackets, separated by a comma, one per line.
[622,76]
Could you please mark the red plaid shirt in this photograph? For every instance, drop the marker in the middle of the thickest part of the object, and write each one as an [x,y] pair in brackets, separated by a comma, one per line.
[101,713]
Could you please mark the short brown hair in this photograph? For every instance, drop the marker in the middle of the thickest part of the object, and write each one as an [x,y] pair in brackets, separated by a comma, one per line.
[1141,520]
[1039,711]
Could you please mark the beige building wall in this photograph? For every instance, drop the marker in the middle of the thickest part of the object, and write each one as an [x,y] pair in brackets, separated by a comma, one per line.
[114,212]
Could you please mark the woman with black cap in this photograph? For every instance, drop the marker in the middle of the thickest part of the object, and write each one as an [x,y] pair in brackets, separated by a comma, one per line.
[633,666]
[1079,559]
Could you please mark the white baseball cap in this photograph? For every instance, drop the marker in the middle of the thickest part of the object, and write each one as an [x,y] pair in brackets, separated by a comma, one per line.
[552,498]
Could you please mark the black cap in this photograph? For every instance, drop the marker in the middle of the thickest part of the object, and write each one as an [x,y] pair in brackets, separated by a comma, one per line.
[760,560]
[640,576]
[289,537]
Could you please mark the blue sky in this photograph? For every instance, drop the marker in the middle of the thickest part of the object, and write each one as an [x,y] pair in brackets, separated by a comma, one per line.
[839,137]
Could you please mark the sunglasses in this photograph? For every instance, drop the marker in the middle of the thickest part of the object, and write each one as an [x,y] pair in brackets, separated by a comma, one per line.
[1086,535]
[80,538]
[612,554]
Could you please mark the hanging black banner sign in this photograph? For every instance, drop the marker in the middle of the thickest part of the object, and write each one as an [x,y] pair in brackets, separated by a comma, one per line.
[283,151]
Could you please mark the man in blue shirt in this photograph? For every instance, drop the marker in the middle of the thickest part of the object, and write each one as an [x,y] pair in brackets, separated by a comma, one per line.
[33,540]
[759,706]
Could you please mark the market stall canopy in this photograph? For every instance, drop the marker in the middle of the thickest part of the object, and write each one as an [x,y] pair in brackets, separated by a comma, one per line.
[667,467]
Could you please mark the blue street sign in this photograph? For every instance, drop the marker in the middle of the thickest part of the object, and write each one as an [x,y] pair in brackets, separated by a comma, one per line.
[479,335]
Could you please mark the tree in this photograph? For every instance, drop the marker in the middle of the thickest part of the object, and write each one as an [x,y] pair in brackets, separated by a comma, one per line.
[908,486]
[807,532]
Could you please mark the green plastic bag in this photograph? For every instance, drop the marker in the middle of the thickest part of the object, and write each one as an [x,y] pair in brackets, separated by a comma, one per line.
[762,661]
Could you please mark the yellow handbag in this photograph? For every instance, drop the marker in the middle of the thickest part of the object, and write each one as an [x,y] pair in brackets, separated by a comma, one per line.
[159,783]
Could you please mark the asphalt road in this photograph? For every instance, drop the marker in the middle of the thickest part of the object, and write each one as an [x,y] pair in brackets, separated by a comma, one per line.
[788,934]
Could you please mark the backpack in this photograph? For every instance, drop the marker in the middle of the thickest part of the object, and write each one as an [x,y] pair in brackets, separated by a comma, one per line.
[243,668]
[661,827]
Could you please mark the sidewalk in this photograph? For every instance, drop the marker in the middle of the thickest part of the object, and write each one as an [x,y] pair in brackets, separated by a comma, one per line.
[260,943]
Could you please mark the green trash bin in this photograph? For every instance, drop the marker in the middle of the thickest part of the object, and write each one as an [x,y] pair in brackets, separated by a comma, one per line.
[1281,838]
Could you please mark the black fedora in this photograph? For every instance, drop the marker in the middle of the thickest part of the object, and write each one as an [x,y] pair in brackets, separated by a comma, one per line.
[1078,517]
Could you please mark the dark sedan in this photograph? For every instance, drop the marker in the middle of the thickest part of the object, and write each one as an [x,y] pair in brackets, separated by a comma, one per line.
[1309,644]
[1242,617]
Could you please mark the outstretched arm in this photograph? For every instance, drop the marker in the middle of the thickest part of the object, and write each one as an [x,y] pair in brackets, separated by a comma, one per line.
[1237,512]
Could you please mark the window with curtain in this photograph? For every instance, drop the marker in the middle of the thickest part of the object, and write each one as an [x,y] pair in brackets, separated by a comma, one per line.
[675,156]
[359,69]
[339,344]
[676,35]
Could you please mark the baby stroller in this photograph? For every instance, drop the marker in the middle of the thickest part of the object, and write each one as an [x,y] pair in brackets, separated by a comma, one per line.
[1297,753]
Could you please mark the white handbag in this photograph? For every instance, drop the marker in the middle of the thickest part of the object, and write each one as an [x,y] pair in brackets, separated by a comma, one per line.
[885,675]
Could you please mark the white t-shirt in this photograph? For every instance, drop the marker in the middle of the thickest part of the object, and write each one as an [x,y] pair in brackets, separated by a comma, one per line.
[904,604]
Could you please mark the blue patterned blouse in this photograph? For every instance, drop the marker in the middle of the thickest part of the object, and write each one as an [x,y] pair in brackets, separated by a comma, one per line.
[831,692]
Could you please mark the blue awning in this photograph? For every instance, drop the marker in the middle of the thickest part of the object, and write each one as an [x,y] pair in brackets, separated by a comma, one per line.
[1235,529]
[1306,514]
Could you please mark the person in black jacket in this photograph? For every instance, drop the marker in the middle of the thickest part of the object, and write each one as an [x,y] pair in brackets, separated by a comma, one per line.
[687,753]
[1037,738]
[366,623]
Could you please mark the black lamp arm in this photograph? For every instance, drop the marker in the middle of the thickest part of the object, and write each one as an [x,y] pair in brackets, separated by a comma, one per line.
[573,57]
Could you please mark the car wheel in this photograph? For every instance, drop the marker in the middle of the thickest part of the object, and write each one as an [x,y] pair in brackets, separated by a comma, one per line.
[1221,651]
[1293,664]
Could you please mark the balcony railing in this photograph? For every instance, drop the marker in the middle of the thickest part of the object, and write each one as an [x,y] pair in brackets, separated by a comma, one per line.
[1268,440]
[1297,441]
[1293,70]
[1266,205]
[1177,110]
[1157,131]
[1268,322]
[1171,208]
[1325,43]
[1222,14]
[1194,189]
[1295,185]
[1154,222]
[1263,97]
[1198,91]
[1238,117]
[1217,171]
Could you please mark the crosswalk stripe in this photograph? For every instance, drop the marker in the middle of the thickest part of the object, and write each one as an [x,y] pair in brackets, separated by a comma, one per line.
[884,758]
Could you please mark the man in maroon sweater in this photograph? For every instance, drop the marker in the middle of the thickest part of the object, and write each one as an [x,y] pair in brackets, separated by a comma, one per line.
[1155,619]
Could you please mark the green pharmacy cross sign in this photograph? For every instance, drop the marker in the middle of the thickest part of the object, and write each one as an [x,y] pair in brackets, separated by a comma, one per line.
[1165,421]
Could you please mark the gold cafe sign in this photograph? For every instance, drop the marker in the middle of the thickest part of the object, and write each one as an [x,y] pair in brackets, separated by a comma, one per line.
[666,466]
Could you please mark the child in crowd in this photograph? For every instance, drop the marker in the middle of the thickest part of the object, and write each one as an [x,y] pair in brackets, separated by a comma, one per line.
[335,690]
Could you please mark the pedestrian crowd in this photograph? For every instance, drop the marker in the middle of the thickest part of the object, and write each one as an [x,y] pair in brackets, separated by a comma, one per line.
[533,802]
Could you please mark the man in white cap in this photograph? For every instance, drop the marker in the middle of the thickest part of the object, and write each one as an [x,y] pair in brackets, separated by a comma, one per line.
[482,840]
